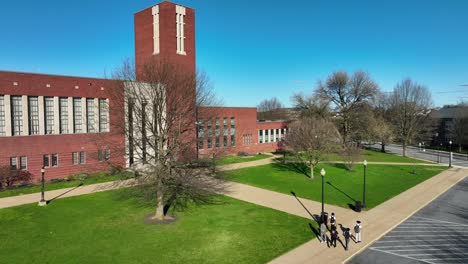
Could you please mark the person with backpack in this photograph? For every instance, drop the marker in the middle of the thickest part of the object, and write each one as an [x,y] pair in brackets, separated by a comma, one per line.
[357,231]
[347,236]
[333,235]
[323,230]
[333,219]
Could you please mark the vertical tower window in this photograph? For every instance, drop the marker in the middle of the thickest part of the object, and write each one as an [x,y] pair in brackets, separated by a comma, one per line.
[77,115]
[49,115]
[260,136]
[266,136]
[155,12]
[201,135]
[23,162]
[233,132]
[218,132]
[90,117]
[13,163]
[17,115]
[33,115]
[210,134]
[82,157]
[277,135]
[225,132]
[2,116]
[272,139]
[63,105]
[180,28]
[103,115]
[75,158]
[46,161]
[54,160]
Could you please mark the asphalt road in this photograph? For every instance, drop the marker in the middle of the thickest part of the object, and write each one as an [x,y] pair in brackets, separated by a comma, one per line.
[427,154]
[438,233]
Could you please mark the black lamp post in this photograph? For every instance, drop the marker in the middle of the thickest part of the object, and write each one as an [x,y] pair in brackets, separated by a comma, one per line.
[364,189]
[42,202]
[450,153]
[323,172]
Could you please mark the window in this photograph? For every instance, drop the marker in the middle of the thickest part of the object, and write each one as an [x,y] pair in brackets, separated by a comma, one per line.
[2,116]
[75,158]
[201,135]
[218,132]
[63,106]
[107,154]
[46,161]
[49,115]
[90,117]
[277,136]
[272,139]
[103,115]
[225,132]
[180,13]
[209,134]
[33,115]
[55,160]
[247,139]
[13,163]
[17,115]
[82,157]
[266,136]
[100,155]
[260,136]
[77,115]
[233,132]
[23,162]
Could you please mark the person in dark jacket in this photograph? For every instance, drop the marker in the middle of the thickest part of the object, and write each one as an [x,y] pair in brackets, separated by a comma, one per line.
[333,236]
[347,236]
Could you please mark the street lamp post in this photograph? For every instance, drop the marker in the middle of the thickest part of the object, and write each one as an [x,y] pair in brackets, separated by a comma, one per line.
[450,153]
[364,187]
[42,202]
[322,172]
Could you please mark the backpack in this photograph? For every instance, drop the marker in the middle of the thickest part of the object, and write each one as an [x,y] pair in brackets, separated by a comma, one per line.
[357,228]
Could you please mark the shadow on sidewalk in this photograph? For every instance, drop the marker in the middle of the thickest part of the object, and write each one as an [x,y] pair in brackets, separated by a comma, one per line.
[62,194]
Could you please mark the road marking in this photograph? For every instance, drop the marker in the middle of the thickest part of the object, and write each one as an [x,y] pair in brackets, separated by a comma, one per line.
[418,240]
[438,245]
[430,224]
[403,256]
[431,231]
[414,236]
[433,254]
[428,249]
[433,226]
[438,220]
[442,259]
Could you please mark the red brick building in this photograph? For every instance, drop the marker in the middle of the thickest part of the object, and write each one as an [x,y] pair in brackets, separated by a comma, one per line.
[58,121]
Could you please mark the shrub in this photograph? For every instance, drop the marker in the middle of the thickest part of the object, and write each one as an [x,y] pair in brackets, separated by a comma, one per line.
[116,170]
[56,180]
[80,176]
[9,177]
[242,154]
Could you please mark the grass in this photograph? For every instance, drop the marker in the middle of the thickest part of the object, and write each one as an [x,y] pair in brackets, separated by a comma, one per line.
[342,188]
[49,186]
[108,227]
[371,156]
[238,159]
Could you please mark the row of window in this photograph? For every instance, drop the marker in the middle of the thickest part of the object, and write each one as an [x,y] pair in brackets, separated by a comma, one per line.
[71,113]
[271,135]
[52,160]
[227,132]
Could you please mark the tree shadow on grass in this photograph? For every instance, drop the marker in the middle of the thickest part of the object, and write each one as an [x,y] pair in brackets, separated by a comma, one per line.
[297,167]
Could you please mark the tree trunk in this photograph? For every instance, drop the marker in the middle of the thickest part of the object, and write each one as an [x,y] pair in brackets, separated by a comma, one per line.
[159,215]
[404,149]
[459,148]
[311,171]
[383,148]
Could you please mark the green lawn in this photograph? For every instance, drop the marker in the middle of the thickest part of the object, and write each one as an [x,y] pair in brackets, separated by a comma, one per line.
[341,187]
[94,178]
[108,227]
[238,159]
[371,156]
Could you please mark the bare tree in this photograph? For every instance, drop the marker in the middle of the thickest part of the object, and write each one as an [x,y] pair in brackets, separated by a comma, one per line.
[409,109]
[160,131]
[346,93]
[313,139]
[271,109]
[382,132]
[459,126]
[311,106]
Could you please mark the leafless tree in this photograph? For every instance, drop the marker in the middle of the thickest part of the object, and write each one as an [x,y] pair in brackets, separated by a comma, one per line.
[311,106]
[346,93]
[382,132]
[409,105]
[313,139]
[271,109]
[459,128]
[160,131]
[351,153]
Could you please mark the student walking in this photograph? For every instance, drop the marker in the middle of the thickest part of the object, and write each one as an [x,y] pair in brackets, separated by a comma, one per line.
[323,230]
[357,231]
[333,236]
[333,219]
[347,236]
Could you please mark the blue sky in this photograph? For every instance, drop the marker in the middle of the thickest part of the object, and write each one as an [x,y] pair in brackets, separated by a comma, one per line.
[253,50]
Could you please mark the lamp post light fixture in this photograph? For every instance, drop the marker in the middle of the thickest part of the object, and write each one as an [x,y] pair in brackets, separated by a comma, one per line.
[323,172]
[364,187]
[450,154]
[42,202]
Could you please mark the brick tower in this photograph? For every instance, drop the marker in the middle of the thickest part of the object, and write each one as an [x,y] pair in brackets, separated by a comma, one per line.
[166,32]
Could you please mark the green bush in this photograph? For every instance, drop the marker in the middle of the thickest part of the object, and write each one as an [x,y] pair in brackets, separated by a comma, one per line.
[80,176]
